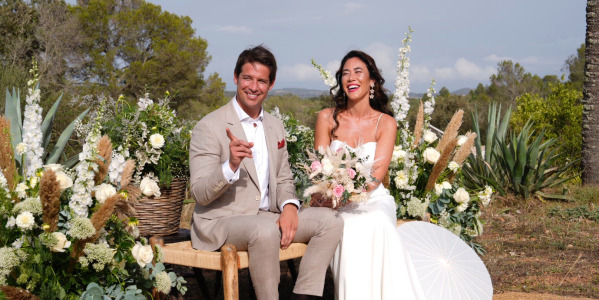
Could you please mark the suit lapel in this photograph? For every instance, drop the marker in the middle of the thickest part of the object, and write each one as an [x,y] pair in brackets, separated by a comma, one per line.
[237,130]
[271,145]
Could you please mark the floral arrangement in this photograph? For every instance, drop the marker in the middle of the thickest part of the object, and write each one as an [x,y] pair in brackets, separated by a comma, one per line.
[67,233]
[298,138]
[340,176]
[425,171]
[150,133]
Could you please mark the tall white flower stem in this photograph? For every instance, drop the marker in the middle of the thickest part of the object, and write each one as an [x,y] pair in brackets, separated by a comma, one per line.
[400,103]
[429,104]
[32,125]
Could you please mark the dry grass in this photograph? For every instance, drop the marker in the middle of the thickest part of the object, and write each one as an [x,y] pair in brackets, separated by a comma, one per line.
[532,250]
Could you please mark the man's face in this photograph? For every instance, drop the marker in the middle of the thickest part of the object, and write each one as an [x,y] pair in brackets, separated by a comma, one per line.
[252,87]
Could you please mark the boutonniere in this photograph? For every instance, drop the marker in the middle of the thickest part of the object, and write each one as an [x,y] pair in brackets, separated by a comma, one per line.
[281,144]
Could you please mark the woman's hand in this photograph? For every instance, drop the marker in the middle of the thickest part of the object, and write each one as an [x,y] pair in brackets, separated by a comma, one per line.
[318,200]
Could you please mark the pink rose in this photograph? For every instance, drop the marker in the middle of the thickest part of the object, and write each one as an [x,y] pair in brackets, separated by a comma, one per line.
[316,166]
[338,191]
[351,173]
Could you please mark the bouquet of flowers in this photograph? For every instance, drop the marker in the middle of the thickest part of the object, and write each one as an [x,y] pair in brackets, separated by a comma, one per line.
[340,176]
[151,134]
[66,233]
[298,138]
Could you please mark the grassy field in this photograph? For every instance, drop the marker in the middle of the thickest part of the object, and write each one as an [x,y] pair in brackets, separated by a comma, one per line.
[539,246]
[533,246]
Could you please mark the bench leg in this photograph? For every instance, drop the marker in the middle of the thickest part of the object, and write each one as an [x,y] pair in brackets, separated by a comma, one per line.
[230,270]
[292,270]
[202,283]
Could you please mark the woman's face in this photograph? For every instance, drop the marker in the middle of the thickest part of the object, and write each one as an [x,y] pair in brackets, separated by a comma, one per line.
[355,79]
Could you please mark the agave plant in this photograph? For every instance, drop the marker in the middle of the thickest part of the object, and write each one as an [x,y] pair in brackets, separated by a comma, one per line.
[481,168]
[517,163]
[12,112]
[532,167]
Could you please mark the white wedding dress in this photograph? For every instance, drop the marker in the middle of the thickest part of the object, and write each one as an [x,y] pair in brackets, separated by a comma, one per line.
[370,261]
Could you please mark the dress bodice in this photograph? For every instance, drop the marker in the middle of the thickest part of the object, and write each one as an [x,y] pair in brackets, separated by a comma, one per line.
[365,151]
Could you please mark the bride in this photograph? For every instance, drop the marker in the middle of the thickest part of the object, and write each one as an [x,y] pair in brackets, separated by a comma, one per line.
[370,262]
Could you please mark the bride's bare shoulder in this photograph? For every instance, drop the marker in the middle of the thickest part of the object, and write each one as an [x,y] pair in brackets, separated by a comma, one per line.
[325,115]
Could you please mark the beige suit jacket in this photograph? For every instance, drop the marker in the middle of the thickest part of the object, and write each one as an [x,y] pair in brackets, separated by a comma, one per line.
[215,197]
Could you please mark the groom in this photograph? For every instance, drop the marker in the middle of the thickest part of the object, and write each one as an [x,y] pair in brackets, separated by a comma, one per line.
[244,190]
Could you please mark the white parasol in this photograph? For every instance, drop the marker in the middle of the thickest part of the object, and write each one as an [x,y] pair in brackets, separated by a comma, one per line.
[446,266]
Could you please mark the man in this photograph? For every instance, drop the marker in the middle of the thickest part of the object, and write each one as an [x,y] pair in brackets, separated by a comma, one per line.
[244,191]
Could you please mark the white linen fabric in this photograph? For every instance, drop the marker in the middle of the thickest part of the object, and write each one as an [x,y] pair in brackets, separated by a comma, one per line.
[370,261]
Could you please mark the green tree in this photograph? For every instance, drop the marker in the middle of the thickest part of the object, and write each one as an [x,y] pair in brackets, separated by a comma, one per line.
[559,115]
[133,47]
[575,67]
[444,92]
[511,81]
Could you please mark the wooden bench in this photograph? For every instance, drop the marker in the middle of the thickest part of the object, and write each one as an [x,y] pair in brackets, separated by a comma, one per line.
[228,260]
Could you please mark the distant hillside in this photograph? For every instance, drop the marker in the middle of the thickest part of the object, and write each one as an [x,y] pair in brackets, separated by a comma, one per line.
[462,92]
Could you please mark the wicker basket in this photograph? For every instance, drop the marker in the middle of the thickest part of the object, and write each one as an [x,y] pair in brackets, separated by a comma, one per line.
[161,215]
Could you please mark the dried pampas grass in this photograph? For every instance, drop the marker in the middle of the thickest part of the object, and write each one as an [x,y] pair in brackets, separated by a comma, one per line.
[105,153]
[7,159]
[441,164]
[50,198]
[451,132]
[419,126]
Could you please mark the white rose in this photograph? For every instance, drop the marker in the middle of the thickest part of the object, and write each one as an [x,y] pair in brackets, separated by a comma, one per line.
[453,166]
[149,187]
[25,220]
[62,243]
[461,196]
[142,254]
[429,136]
[64,180]
[438,189]
[401,179]
[461,140]
[462,207]
[327,167]
[156,140]
[104,191]
[398,154]
[431,155]
[53,167]
[33,182]
[21,190]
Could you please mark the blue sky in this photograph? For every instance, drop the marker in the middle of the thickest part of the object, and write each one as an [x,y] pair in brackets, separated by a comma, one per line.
[458,43]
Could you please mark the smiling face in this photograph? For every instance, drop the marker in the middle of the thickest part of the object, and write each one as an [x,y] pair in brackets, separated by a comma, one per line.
[252,87]
[355,79]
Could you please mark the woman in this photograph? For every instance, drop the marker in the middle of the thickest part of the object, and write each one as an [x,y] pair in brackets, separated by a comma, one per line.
[369,262]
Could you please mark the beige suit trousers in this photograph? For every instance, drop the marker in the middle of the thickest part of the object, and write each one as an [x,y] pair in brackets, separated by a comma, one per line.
[260,236]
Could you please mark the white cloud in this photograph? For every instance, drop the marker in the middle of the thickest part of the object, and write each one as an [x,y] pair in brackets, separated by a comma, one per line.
[385,58]
[444,73]
[420,73]
[299,72]
[235,29]
[495,58]
[469,70]
[351,7]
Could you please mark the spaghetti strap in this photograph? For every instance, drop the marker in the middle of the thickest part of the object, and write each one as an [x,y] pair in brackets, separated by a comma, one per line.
[377,123]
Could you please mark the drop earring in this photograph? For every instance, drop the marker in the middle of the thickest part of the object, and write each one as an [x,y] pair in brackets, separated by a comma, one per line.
[372,91]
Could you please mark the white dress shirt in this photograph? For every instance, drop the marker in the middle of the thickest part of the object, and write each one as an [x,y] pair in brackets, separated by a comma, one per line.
[254,132]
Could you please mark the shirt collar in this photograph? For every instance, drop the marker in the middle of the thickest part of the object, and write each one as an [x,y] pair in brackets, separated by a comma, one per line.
[243,116]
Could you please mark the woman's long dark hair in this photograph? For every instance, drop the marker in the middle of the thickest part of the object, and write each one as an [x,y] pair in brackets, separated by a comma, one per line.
[380,101]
